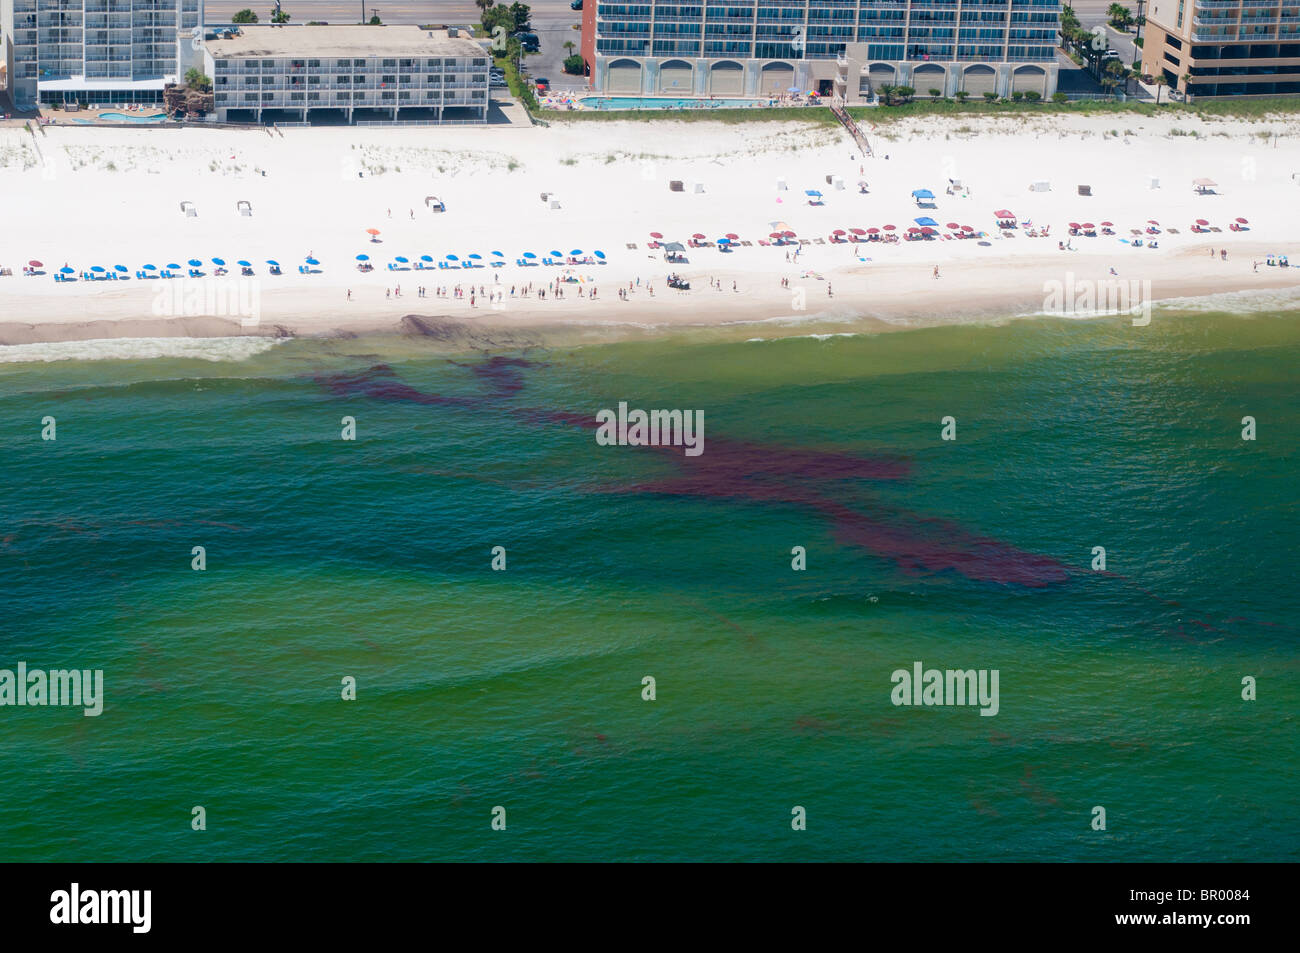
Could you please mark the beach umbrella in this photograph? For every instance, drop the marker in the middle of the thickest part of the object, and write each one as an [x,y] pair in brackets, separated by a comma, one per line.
[121,268]
[65,270]
[922,194]
[839,231]
[967,228]
[34,264]
[499,254]
[363,258]
[952,225]
[174,266]
[1152,221]
[576,251]
[1074,224]
[871,231]
[1201,221]
[194,263]
[926,220]
[698,235]
[721,241]
[601,255]
[858,231]
[312,261]
[219,261]
[913,229]
[889,228]
[1107,224]
[451,258]
[787,234]
[812,192]
[733,236]
[656,235]
[476,256]
[404,261]
[269,261]
[529,254]
[426,258]
[1003,213]
[97,269]
[929,231]
[244,264]
[1242,221]
[774,235]
[1089,225]
[372,231]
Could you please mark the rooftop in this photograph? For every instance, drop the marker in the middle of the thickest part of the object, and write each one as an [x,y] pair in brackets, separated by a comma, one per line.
[358,41]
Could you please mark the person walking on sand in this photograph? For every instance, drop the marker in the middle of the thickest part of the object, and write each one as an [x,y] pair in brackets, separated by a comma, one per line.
[388,292]
[828,290]
[390,213]
[413,215]
[936,271]
[1223,254]
[1211,252]
[349,294]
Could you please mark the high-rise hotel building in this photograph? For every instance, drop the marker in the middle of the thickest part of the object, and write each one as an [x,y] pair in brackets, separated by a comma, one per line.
[1224,47]
[95,50]
[845,48]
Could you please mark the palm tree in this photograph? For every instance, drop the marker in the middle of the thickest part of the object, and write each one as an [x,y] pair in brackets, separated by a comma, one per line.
[1161,83]
[483,5]
[1187,84]
[885,92]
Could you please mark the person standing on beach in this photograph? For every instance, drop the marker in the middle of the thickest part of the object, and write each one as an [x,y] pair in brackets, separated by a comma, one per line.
[349,294]
[936,271]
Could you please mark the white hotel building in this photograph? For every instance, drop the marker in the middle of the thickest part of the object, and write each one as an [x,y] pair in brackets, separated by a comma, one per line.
[96,50]
[345,74]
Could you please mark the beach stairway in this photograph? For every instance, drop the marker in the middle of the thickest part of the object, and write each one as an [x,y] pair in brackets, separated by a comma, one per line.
[851,125]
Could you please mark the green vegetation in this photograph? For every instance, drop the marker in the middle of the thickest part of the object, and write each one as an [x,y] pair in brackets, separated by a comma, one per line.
[375,21]
[244,16]
[279,16]
[511,19]
[195,79]
[509,59]
[1120,16]
[574,65]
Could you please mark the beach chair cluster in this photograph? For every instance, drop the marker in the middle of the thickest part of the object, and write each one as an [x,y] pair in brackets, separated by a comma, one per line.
[193,269]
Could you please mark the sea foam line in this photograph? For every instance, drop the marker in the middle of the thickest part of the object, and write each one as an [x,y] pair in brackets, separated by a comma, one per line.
[134,349]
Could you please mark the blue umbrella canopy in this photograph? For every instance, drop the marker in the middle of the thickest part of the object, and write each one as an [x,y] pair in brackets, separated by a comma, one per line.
[194,263]
[68,271]
[219,261]
[529,254]
[811,192]
[576,251]
[404,261]
[244,264]
[922,194]
[97,268]
[363,258]
[499,254]
[476,256]
[557,254]
[926,221]
[269,261]
[426,258]
[122,268]
[452,258]
[312,261]
[601,254]
[146,268]
[173,265]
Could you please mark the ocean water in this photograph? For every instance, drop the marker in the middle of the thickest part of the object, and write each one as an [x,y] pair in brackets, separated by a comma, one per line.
[372,559]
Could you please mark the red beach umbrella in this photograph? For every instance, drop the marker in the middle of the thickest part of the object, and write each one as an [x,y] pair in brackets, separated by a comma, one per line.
[859,231]
[1242,221]
[1074,224]
[967,228]
[952,225]
[871,231]
[913,229]
[1003,213]
[733,236]
[1201,221]
[774,234]
[1152,221]
[35,264]
[839,231]
[889,228]
[698,235]
[929,231]
[788,234]
[1088,225]
[1107,224]
[656,234]
[372,231]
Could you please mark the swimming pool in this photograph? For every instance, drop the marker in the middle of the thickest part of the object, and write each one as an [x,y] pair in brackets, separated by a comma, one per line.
[124,117]
[664,102]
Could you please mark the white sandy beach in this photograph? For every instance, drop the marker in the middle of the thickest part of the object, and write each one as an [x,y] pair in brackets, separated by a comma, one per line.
[107,196]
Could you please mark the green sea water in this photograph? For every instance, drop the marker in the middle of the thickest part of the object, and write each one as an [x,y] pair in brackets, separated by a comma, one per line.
[523,688]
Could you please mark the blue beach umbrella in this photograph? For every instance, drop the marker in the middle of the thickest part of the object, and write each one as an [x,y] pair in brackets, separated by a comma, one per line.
[269,261]
[601,254]
[926,222]
[174,266]
[576,251]
[363,258]
[312,261]
[97,269]
[499,254]
[220,262]
[194,263]
[476,256]
[452,258]
[529,254]
[65,270]
[922,194]
[121,268]
[148,268]
[812,192]
[404,261]
[426,258]
[244,264]
[556,254]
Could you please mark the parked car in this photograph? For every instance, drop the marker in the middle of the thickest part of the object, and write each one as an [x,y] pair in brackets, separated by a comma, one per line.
[528,41]
[496,82]
[542,82]
[575,5]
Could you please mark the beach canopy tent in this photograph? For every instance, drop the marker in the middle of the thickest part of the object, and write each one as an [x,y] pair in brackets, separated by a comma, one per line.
[922,194]
[926,222]
[1204,186]
[1085,190]
[244,206]
[435,203]
[1040,186]
[188,209]
[1004,213]
[674,246]
[781,186]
